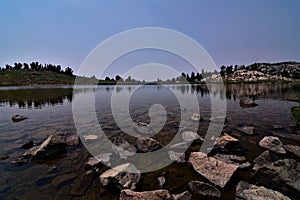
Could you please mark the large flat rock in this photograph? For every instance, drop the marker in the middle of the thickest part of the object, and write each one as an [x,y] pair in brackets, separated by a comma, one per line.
[146,195]
[216,171]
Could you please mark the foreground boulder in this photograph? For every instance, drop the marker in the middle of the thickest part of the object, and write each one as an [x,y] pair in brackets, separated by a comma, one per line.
[204,190]
[282,175]
[266,158]
[272,143]
[216,171]
[247,191]
[53,146]
[120,177]
[18,118]
[146,144]
[146,195]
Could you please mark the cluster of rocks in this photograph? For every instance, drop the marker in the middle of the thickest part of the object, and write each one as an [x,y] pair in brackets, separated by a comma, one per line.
[54,146]
[276,178]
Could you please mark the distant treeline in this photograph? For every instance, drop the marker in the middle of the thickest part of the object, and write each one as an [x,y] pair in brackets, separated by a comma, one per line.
[36,66]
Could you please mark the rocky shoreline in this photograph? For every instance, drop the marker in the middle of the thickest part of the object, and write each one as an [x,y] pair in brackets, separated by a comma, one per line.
[276,172]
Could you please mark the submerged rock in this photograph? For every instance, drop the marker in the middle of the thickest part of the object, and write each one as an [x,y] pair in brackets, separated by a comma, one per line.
[205,190]
[82,184]
[216,171]
[282,175]
[247,103]
[246,191]
[18,118]
[53,146]
[20,161]
[59,181]
[3,157]
[272,143]
[161,181]
[120,176]
[246,129]
[146,144]
[146,195]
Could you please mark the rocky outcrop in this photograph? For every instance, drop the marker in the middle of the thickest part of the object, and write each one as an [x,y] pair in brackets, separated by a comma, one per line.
[97,161]
[123,148]
[204,190]
[246,191]
[282,175]
[146,144]
[273,144]
[177,156]
[216,171]
[18,118]
[146,195]
[28,144]
[122,176]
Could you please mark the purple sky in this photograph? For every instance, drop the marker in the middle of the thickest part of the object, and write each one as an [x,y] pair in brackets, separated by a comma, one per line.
[65,31]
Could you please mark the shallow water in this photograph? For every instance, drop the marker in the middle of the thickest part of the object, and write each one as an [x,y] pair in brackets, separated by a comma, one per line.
[49,111]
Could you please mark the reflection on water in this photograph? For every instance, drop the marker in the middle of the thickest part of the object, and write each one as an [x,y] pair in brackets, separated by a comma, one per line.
[36,181]
[40,97]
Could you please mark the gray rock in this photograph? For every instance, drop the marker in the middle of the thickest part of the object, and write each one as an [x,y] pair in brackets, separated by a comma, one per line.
[247,103]
[181,145]
[282,175]
[161,181]
[216,171]
[292,149]
[246,129]
[189,136]
[176,156]
[204,189]
[272,143]
[227,144]
[97,161]
[146,144]
[124,176]
[18,118]
[266,158]
[240,161]
[182,196]
[195,117]
[246,191]
[123,148]
[146,195]
[53,146]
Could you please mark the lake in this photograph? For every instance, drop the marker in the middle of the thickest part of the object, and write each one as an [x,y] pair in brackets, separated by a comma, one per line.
[49,111]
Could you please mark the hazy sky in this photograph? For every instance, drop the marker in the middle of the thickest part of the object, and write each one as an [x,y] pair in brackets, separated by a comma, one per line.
[65,31]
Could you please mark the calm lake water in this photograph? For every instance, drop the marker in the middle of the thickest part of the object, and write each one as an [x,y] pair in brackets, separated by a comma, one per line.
[49,111]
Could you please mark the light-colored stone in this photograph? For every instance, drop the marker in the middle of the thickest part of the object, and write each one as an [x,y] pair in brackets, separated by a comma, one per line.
[126,175]
[216,171]
[273,144]
[146,144]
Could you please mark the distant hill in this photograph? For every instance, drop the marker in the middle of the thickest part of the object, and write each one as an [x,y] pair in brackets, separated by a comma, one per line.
[31,77]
